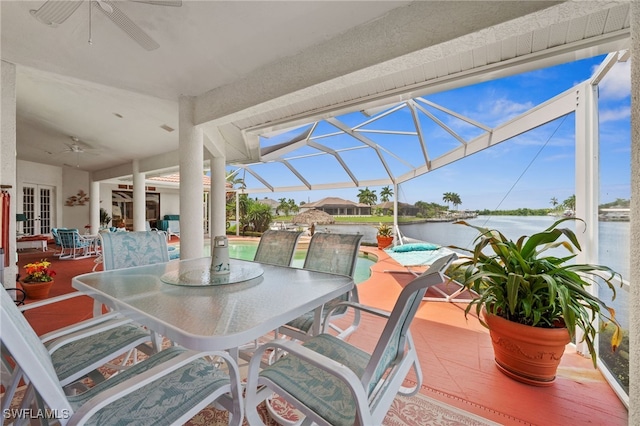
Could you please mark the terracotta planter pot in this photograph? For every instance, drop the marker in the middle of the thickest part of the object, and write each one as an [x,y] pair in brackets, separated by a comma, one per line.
[384,242]
[38,290]
[527,354]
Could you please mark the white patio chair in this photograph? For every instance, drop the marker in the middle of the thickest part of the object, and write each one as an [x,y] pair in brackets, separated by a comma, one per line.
[277,247]
[337,254]
[334,383]
[128,249]
[76,246]
[170,387]
[79,349]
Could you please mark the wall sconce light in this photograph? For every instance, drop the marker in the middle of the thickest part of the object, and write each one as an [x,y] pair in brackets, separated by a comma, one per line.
[21,217]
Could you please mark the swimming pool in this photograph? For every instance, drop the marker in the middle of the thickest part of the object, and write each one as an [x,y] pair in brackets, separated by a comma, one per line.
[247,249]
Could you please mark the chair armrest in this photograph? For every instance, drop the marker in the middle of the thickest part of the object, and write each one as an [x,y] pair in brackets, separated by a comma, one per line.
[51,300]
[73,327]
[353,305]
[83,329]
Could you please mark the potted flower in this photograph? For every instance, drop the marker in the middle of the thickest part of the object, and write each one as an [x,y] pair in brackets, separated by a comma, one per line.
[539,298]
[384,236]
[39,279]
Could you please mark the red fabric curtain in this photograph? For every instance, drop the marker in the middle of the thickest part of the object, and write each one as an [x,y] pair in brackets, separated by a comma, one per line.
[4,224]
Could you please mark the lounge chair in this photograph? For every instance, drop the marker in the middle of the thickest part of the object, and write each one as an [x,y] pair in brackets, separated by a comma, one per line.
[411,254]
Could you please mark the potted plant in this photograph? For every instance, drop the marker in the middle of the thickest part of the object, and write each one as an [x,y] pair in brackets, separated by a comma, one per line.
[39,279]
[104,218]
[537,296]
[384,236]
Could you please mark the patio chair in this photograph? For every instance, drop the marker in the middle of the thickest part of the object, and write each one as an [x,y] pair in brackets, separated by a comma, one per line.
[173,228]
[334,383]
[277,247]
[79,349]
[128,249]
[337,254]
[169,387]
[74,245]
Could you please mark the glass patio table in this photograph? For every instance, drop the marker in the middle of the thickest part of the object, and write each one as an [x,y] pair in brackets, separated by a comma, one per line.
[176,299]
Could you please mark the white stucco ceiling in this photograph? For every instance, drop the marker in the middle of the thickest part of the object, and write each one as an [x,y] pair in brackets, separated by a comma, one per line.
[263,66]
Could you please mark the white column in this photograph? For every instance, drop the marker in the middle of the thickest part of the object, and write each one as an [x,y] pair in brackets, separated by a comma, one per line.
[94,206]
[139,198]
[218,196]
[191,186]
[587,182]
[8,160]
[634,281]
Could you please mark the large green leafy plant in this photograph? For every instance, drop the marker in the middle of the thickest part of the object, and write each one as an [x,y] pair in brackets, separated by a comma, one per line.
[516,281]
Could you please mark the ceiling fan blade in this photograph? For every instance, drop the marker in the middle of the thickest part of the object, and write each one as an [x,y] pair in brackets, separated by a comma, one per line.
[172,3]
[55,12]
[127,25]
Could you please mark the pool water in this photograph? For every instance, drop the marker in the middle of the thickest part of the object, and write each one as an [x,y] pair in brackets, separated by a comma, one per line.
[246,250]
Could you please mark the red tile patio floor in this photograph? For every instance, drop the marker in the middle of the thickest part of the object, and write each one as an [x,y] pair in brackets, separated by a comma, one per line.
[455,353]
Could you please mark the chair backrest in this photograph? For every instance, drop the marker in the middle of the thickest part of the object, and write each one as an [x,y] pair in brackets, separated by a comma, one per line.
[30,355]
[277,247]
[335,253]
[391,345]
[69,238]
[56,236]
[128,249]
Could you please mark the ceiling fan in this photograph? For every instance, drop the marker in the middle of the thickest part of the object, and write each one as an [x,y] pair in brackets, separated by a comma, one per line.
[77,147]
[54,12]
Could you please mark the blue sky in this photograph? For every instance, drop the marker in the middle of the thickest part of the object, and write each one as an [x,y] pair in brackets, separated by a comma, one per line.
[526,171]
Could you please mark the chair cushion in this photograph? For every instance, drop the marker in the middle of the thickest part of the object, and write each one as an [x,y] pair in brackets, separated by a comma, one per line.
[315,388]
[403,248]
[82,354]
[164,400]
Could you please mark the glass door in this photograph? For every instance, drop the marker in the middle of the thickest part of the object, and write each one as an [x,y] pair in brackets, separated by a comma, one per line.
[37,205]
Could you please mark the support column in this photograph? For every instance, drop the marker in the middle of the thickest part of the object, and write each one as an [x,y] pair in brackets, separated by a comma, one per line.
[8,162]
[191,186]
[139,198]
[94,206]
[634,275]
[218,196]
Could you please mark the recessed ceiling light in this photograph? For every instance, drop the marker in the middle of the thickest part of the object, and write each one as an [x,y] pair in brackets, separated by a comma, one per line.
[117,115]
[167,128]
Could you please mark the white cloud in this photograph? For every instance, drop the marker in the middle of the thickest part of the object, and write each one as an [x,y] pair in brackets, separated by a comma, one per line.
[620,113]
[617,83]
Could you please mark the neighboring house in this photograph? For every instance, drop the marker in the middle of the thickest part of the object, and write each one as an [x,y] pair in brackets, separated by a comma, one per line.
[404,209]
[273,204]
[338,207]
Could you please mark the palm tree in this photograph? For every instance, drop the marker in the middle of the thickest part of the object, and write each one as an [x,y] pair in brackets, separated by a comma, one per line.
[447,197]
[570,203]
[283,206]
[233,179]
[385,194]
[293,207]
[367,196]
[455,200]
[554,202]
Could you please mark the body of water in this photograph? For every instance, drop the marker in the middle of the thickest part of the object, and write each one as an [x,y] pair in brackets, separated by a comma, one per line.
[613,241]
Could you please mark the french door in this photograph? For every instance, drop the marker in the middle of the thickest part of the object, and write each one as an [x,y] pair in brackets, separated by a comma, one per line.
[38,203]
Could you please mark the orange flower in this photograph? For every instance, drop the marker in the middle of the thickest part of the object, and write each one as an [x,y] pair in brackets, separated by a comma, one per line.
[39,272]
